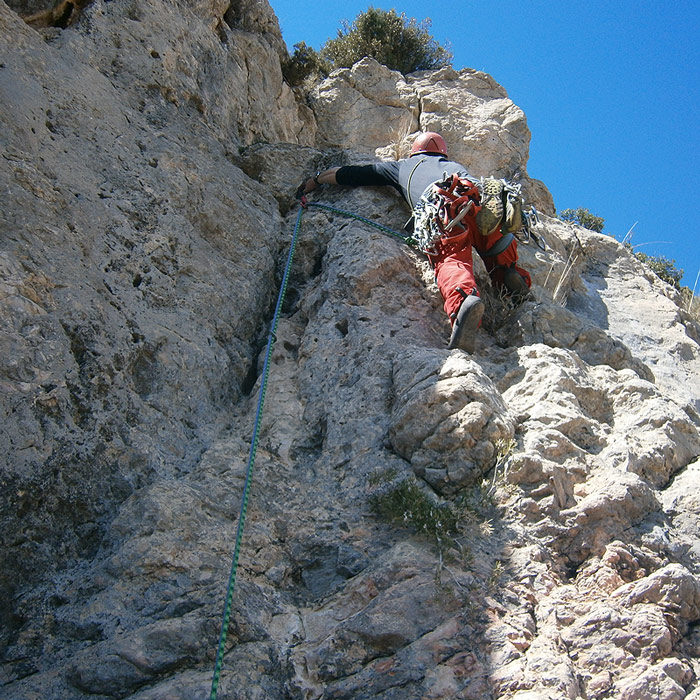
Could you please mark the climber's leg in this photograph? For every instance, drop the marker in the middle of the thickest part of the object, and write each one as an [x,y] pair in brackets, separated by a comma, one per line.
[467,320]
[454,274]
[503,269]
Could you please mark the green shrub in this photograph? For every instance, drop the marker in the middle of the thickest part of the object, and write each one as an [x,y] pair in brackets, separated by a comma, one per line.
[407,505]
[584,218]
[304,63]
[399,43]
[663,267]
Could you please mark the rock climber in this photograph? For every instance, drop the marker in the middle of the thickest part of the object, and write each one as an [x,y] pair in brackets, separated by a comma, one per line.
[452,212]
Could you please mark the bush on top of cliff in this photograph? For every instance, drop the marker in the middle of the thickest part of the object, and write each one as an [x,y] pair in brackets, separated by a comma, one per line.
[584,218]
[304,63]
[662,267]
[398,42]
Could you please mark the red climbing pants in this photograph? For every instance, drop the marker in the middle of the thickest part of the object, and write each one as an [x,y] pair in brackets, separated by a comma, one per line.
[454,269]
[454,272]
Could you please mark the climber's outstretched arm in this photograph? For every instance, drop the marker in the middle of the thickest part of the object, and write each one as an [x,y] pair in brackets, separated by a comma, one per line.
[370,175]
[323,177]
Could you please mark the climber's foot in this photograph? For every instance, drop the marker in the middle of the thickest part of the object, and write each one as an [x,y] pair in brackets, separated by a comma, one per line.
[465,325]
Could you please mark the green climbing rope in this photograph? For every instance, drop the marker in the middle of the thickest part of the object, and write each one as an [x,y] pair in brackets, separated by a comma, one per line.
[384,229]
[251,462]
[256,428]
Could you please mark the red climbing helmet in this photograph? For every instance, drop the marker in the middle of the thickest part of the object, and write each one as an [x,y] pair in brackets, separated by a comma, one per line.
[429,142]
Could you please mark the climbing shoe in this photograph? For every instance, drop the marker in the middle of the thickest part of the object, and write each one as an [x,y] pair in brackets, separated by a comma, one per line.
[465,325]
[491,212]
[516,285]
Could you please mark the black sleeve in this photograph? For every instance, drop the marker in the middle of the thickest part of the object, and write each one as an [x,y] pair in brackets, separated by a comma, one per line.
[376,174]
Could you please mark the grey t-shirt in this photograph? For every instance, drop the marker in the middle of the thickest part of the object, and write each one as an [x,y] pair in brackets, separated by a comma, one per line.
[410,176]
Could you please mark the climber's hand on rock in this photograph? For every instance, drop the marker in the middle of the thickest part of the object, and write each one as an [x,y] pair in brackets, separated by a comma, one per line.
[309,185]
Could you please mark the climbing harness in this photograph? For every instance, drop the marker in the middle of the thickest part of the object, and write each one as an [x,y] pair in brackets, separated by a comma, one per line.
[498,247]
[251,462]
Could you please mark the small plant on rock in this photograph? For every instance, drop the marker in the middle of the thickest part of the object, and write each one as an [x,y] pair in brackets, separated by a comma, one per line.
[691,303]
[304,64]
[497,573]
[383,477]
[406,504]
[504,451]
[662,267]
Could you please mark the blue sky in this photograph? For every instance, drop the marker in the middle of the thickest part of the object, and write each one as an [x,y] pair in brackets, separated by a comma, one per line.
[610,91]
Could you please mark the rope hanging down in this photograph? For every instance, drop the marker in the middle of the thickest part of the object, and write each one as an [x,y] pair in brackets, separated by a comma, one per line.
[251,462]
[256,429]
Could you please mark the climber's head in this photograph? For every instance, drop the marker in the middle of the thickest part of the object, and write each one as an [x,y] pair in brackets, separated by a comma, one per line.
[429,143]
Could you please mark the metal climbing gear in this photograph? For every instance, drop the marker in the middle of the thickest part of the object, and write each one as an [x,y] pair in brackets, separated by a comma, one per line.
[526,234]
[440,214]
[461,213]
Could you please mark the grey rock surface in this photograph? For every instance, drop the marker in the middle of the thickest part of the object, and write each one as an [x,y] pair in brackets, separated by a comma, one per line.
[521,522]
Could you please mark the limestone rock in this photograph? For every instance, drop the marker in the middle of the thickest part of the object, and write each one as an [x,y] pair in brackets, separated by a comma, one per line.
[186,57]
[447,419]
[473,113]
[680,502]
[150,157]
[120,262]
[363,107]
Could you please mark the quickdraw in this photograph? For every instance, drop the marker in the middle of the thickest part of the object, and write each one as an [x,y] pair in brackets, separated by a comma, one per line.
[526,234]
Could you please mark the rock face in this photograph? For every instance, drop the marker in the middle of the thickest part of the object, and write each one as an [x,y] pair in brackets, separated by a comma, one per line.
[522,522]
[483,129]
